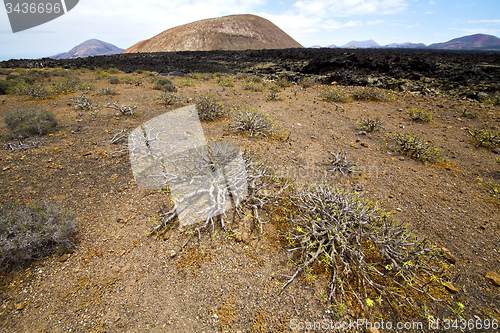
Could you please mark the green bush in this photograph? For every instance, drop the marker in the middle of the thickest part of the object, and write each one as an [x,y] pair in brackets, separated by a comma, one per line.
[273,94]
[185,81]
[254,78]
[371,94]
[113,70]
[364,252]
[171,98]
[23,123]
[420,115]
[35,90]
[225,82]
[415,147]
[283,82]
[253,121]
[307,82]
[33,231]
[253,86]
[114,80]
[12,77]
[485,138]
[471,114]
[5,71]
[335,95]
[208,107]
[5,86]
[132,81]
[106,91]
[165,85]
[101,74]
[369,125]
[68,85]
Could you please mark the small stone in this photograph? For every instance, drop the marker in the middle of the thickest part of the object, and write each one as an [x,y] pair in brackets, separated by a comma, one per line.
[64,257]
[166,235]
[364,144]
[493,278]
[399,209]
[20,306]
[451,288]
[372,330]
[121,220]
[243,237]
[496,151]
[6,168]
[362,133]
[87,153]
[448,255]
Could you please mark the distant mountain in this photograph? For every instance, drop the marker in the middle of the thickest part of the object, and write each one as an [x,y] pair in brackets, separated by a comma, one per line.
[233,32]
[472,42]
[362,45]
[405,46]
[92,47]
[320,47]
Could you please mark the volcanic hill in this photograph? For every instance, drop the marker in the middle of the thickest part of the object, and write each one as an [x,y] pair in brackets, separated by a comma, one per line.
[472,42]
[91,47]
[233,32]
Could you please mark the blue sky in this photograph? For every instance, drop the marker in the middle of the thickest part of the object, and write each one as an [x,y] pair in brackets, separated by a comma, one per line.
[310,22]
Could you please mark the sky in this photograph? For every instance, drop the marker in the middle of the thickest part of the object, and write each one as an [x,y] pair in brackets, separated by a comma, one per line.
[310,22]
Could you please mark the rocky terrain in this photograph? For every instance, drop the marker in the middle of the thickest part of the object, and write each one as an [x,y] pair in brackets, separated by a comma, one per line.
[120,279]
[459,74]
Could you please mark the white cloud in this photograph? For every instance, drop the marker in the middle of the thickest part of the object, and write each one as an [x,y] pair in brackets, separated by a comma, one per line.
[341,8]
[484,21]
[375,22]
[478,30]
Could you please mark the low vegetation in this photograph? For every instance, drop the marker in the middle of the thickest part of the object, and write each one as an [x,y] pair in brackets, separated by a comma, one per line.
[186,82]
[273,94]
[171,98]
[208,107]
[368,256]
[33,231]
[335,95]
[485,138]
[25,122]
[254,121]
[414,147]
[369,125]
[33,90]
[252,86]
[341,163]
[420,115]
[371,94]
[165,85]
[225,82]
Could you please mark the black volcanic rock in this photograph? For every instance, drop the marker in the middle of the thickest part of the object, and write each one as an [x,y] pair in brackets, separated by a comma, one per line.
[92,47]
